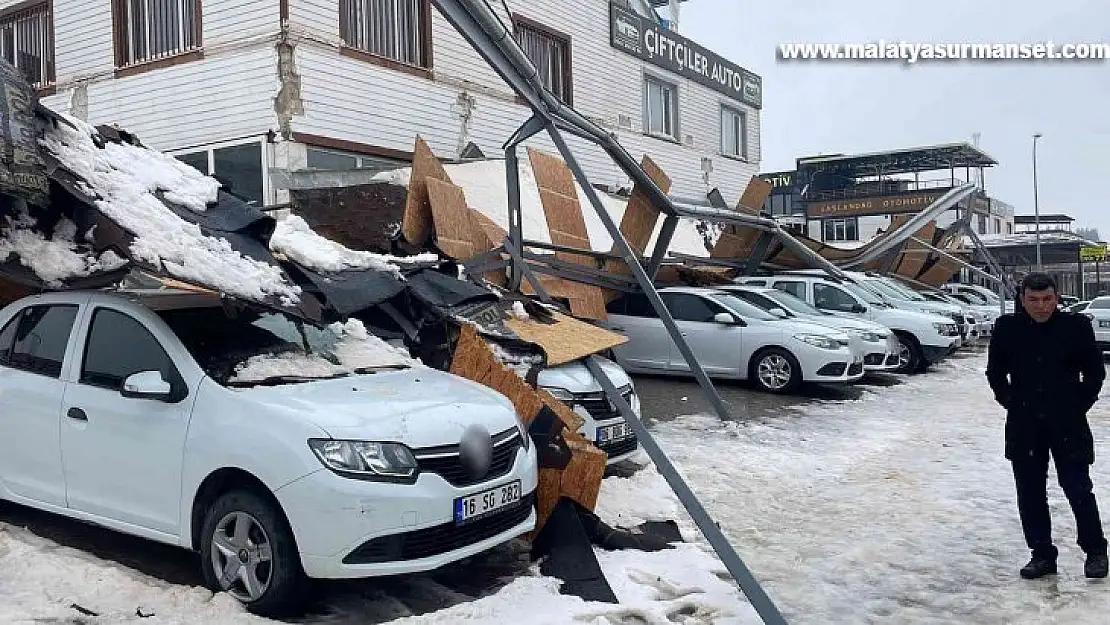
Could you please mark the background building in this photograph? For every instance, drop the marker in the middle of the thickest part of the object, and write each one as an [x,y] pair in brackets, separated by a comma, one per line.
[262,92]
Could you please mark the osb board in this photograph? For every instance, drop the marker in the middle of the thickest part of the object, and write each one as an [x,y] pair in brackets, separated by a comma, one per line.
[417,224]
[940,273]
[566,340]
[580,481]
[567,226]
[494,233]
[755,196]
[454,231]
[913,262]
[735,246]
[640,215]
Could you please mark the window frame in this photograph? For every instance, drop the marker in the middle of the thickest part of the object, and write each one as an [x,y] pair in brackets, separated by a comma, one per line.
[676,114]
[210,150]
[427,48]
[845,221]
[119,43]
[742,140]
[177,381]
[17,319]
[520,21]
[49,84]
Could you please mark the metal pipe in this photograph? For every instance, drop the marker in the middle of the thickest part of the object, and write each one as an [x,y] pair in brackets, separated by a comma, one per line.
[1036,203]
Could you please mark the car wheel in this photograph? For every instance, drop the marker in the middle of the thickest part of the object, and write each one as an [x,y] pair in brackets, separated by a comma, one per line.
[248,551]
[775,370]
[910,357]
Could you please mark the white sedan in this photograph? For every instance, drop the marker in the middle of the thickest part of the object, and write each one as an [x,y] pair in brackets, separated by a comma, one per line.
[879,345]
[165,416]
[731,339]
[1098,311]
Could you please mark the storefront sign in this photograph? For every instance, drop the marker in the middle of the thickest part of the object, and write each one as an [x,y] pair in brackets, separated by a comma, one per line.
[1092,254]
[650,42]
[779,180]
[879,205]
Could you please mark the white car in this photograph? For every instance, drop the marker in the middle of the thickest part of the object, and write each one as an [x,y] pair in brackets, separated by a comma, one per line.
[575,386]
[1098,311]
[731,339]
[923,339]
[880,348]
[899,296]
[168,416]
[984,314]
[988,295]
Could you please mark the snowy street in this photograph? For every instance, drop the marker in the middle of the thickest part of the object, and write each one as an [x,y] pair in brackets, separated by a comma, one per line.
[896,507]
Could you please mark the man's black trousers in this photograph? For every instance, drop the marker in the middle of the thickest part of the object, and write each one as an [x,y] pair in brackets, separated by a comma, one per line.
[1031,478]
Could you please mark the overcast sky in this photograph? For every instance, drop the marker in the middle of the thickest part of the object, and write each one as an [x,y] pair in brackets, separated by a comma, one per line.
[862,106]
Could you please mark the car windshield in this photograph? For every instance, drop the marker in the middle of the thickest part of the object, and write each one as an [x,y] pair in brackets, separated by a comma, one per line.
[867,295]
[251,347]
[1100,303]
[885,289]
[742,308]
[794,304]
[972,298]
[909,293]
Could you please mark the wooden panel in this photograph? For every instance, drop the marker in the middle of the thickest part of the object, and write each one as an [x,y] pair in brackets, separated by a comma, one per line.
[566,340]
[454,231]
[418,223]
[755,196]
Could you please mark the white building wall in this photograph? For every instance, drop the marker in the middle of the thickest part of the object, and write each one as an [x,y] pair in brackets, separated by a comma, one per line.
[224,96]
[351,99]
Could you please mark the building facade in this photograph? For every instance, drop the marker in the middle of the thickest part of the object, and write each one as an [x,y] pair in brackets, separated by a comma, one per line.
[253,91]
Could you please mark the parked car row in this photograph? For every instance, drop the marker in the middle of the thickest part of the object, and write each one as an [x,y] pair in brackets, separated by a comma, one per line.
[782,330]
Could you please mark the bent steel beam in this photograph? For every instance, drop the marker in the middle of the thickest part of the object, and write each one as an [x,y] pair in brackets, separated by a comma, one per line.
[899,236]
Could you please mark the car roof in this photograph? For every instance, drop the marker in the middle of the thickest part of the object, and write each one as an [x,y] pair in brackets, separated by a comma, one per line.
[693,290]
[153,298]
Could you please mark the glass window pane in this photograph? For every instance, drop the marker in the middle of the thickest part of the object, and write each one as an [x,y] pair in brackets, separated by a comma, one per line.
[323,159]
[107,365]
[197,160]
[41,339]
[240,167]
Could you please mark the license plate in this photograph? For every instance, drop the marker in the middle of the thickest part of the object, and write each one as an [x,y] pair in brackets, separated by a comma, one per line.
[1102,323]
[613,432]
[486,503]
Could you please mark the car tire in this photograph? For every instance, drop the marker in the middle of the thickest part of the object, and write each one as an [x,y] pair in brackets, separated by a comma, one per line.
[910,357]
[781,362]
[254,528]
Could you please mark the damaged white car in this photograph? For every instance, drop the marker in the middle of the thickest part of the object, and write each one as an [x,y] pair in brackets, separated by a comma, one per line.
[279,452]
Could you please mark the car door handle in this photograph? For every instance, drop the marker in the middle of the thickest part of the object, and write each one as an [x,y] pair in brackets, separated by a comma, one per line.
[616,329]
[77,414]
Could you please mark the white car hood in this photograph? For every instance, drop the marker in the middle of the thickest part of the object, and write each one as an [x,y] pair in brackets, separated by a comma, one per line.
[576,378]
[851,323]
[421,407]
[800,326]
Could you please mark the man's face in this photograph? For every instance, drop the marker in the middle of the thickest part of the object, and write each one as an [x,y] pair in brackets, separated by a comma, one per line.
[1039,304]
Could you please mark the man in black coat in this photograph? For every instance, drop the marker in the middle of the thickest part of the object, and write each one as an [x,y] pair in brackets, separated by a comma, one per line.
[1046,371]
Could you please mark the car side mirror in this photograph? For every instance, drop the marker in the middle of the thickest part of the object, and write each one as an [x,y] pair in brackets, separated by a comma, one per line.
[778,312]
[147,385]
[859,308]
[725,318]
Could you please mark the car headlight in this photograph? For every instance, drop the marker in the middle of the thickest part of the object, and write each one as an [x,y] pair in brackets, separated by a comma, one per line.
[365,460]
[869,336]
[817,340]
[527,438]
[561,394]
[938,312]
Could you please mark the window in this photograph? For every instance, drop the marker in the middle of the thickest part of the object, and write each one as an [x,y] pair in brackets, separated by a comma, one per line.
[841,229]
[334,160]
[35,339]
[106,365]
[27,42]
[734,134]
[687,307]
[982,224]
[1099,304]
[828,297]
[549,51]
[634,305]
[149,30]
[397,30]
[660,108]
[997,226]
[797,289]
[239,167]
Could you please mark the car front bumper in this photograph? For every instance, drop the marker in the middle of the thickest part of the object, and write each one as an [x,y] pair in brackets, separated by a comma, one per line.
[830,366]
[348,528]
[881,356]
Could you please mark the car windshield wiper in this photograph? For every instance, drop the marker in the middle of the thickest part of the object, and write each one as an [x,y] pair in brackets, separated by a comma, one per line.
[276,380]
[377,368]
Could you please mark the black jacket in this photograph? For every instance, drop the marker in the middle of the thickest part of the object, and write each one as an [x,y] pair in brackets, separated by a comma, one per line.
[1047,376]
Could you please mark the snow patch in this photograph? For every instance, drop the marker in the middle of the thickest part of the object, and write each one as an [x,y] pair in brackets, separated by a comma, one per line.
[125,178]
[295,239]
[54,259]
[356,349]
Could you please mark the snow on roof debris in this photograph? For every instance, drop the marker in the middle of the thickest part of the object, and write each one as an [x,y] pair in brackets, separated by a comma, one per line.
[125,178]
[295,239]
[519,312]
[54,259]
[356,348]
[486,191]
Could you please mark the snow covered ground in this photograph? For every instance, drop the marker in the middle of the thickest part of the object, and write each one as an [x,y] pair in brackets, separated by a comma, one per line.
[895,508]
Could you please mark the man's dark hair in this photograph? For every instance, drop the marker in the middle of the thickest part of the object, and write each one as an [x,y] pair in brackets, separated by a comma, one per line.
[1038,282]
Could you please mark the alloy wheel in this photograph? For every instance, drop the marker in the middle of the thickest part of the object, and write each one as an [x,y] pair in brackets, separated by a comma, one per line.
[774,372]
[242,556]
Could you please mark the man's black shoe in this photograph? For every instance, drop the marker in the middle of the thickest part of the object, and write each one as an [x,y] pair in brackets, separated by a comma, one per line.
[1096,565]
[1038,567]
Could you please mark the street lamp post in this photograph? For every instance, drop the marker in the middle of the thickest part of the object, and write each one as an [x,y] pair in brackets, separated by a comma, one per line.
[1036,203]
